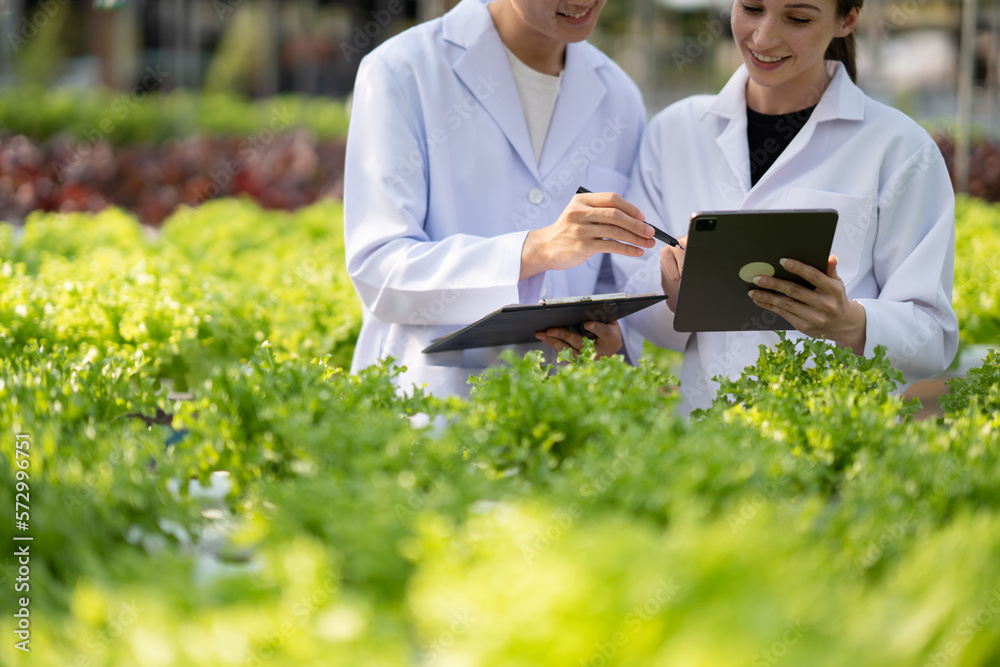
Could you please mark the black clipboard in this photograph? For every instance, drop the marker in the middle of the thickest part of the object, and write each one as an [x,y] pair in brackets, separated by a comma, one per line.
[722,244]
[517,323]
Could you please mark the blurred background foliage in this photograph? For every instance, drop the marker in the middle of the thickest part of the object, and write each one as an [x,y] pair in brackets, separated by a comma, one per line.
[153,104]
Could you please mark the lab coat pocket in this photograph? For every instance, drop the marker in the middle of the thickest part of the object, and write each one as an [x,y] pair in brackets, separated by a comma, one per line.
[602,179]
[854,224]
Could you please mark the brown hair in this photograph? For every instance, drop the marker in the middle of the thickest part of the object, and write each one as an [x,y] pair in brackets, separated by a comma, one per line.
[844,49]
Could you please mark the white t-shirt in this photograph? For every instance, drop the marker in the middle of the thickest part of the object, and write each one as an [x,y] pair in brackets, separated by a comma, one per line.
[538,94]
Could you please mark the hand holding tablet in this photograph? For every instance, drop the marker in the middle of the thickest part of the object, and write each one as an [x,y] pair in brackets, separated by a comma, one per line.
[726,250]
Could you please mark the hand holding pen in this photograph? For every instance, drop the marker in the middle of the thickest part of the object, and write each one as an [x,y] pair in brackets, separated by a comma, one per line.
[657,233]
[601,222]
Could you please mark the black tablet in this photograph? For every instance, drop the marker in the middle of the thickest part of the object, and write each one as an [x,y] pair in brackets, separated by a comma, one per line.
[726,249]
[517,323]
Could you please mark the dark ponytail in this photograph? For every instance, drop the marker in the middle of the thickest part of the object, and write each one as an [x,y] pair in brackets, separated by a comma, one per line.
[845,49]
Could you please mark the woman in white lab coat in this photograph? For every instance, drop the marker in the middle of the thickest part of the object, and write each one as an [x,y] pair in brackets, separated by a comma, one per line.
[457,201]
[890,280]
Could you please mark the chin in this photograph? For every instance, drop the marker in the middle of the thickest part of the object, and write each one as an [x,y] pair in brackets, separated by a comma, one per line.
[573,36]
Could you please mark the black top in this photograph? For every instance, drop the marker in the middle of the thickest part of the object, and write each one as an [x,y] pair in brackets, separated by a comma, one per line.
[768,136]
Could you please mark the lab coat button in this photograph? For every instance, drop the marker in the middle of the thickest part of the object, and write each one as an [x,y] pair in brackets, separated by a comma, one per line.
[536,196]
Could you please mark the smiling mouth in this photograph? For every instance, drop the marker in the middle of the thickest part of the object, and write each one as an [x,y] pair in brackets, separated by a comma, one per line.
[577,15]
[766,59]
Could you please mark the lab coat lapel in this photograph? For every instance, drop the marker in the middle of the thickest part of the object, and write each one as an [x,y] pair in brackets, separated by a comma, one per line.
[580,95]
[733,143]
[485,70]
[730,104]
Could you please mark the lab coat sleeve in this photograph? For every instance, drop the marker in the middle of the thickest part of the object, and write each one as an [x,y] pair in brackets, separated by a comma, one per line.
[914,262]
[400,273]
[641,275]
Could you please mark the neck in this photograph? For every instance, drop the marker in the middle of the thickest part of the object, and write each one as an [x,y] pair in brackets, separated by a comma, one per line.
[537,51]
[791,96]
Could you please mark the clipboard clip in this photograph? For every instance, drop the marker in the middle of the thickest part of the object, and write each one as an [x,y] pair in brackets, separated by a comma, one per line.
[582,299]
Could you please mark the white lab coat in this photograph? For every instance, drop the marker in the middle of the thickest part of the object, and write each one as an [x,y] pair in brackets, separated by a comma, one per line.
[441,186]
[885,176]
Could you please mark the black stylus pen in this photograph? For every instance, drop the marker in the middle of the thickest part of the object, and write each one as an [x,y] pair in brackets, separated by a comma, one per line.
[661,235]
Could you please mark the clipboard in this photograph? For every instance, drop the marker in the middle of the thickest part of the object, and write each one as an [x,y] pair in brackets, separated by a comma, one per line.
[726,249]
[517,323]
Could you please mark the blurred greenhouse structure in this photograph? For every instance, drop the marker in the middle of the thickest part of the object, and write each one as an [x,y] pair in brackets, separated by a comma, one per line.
[936,60]
[910,49]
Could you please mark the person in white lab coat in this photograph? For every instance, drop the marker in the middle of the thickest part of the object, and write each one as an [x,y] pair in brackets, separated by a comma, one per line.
[792,130]
[469,136]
